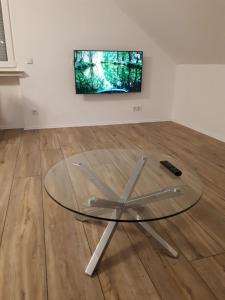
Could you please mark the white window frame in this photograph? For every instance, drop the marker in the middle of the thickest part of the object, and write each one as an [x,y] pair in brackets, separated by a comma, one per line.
[10,63]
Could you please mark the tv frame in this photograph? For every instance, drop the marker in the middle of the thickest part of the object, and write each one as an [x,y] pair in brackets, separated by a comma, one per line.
[107,51]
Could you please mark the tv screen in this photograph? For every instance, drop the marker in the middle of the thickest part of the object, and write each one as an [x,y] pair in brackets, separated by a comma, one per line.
[99,72]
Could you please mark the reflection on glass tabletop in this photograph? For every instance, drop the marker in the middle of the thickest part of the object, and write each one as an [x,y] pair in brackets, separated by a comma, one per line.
[123,185]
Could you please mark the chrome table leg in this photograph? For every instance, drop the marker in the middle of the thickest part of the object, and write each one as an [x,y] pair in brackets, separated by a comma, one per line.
[158,238]
[101,247]
[149,230]
[111,227]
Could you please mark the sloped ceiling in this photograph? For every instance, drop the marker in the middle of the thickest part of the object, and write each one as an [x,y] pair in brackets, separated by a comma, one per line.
[190,31]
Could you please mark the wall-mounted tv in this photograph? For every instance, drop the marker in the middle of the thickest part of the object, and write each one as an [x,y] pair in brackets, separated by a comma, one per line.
[100,71]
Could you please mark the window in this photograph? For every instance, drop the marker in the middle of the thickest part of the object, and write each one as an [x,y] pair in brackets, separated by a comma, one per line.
[6,44]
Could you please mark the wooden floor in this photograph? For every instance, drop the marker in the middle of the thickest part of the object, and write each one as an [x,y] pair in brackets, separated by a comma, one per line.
[44,251]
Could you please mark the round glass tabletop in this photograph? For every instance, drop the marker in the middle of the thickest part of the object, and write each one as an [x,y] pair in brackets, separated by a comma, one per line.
[123,185]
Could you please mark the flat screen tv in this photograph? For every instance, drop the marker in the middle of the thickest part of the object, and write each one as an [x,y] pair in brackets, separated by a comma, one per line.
[100,71]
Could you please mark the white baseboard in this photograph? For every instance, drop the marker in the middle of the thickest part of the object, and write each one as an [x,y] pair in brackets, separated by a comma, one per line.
[46,126]
[203,131]
[11,127]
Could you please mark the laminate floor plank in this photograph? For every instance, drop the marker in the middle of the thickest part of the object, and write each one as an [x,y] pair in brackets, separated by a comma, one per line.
[44,250]
[121,273]
[13,136]
[29,159]
[8,157]
[104,137]
[48,139]
[84,137]
[30,140]
[190,238]
[67,250]
[65,136]
[173,278]
[211,219]
[2,142]
[22,256]
[211,270]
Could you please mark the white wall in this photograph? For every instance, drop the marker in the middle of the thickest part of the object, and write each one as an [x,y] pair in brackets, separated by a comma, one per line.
[190,31]
[11,106]
[199,100]
[48,31]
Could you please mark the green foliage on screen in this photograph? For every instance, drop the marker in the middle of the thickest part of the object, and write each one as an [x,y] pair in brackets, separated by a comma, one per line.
[107,71]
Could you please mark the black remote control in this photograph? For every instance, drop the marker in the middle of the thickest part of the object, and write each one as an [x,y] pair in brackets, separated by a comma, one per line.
[171,167]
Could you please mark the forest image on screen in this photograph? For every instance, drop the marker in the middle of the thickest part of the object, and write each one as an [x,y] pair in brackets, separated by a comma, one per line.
[107,71]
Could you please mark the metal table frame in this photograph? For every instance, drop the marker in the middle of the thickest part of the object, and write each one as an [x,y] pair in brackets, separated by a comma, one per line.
[120,203]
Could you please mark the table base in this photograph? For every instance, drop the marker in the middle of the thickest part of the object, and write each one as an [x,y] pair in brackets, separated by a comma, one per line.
[119,207]
[107,236]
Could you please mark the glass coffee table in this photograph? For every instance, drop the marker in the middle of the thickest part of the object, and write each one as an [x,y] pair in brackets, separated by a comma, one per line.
[122,185]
